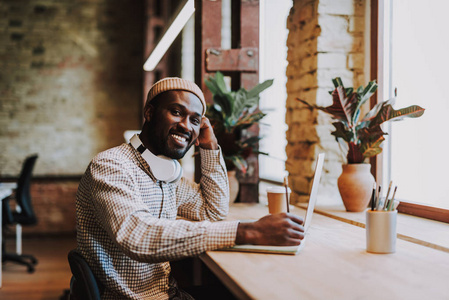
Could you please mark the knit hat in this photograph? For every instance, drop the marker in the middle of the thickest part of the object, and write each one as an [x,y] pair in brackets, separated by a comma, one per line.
[174,83]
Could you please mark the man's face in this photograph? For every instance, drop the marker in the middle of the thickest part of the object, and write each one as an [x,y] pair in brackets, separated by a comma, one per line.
[175,122]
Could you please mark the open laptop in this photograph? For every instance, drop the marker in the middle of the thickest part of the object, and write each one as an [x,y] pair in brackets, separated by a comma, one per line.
[292,250]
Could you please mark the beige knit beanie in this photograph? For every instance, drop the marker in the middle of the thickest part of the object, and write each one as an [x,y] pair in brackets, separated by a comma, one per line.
[174,83]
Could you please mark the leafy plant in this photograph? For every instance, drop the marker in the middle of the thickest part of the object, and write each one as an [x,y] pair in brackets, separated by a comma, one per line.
[230,113]
[363,137]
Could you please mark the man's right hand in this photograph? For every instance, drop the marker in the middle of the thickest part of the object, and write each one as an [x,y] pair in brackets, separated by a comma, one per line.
[282,229]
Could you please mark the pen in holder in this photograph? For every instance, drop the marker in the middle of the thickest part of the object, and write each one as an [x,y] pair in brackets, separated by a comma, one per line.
[381,231]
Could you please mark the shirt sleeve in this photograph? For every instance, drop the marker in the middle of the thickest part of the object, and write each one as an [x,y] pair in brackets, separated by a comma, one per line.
[122,213]
[208,200]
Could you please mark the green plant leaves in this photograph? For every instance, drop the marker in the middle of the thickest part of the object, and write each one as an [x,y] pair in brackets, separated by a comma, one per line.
[364,94]
[372,147]
[342,108]
[364,138]
[345,106]
[236,107]
[387,113]
[254,92]
[240,103]
[342,132]
[248,119]
[239,162]
[369,133]
[233,111]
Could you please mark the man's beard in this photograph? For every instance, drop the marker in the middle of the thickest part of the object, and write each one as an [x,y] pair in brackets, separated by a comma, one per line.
[175,153]
[159,139]
[163,147]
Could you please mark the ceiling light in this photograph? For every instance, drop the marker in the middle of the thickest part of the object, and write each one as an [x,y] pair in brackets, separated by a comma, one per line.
[169,36]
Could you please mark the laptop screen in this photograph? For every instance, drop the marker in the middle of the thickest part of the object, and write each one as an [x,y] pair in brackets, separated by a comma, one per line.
[314,191]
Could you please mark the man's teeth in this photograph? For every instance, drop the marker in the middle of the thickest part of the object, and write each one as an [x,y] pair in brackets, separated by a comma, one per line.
[178,138]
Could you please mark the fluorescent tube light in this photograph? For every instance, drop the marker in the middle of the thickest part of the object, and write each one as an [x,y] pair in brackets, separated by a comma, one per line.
[170,35]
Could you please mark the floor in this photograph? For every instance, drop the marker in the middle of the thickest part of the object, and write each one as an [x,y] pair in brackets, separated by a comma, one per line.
[52,275]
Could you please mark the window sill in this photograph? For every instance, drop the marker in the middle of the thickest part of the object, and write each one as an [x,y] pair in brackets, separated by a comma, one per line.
[414,229]
[410,228]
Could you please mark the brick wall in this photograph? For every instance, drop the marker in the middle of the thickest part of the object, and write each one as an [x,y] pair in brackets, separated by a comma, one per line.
[70,80]
[54,207]
[326,40]
[70,84]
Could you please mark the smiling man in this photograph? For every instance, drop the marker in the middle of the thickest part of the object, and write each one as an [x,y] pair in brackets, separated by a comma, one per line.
[130,196]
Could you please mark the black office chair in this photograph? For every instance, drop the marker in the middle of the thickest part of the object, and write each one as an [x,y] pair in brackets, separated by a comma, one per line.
[83,284]
[23,216]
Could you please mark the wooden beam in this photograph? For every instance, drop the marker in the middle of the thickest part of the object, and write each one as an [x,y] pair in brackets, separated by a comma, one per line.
[249,37]
[207,35]
[242,60]
[240,63]
[376,161]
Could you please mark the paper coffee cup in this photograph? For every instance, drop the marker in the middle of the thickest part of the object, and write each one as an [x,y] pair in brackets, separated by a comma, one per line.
[277,201]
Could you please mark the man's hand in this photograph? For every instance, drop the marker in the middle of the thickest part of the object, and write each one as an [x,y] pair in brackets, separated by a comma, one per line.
[207,139]
[282,229]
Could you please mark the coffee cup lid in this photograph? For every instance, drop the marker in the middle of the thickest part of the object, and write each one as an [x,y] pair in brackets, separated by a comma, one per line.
[277,189]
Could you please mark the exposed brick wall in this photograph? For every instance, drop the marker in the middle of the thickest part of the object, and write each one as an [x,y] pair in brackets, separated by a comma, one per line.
[326,40]
[70,84]
[70,80]
[54,206]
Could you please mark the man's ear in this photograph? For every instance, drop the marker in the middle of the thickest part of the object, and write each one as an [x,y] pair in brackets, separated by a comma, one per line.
[148,112]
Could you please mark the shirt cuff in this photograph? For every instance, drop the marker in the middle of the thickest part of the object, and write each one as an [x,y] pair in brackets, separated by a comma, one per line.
[211,158]
[221,234]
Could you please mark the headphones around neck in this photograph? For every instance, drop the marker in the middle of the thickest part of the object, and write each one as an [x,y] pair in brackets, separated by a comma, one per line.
[163,168]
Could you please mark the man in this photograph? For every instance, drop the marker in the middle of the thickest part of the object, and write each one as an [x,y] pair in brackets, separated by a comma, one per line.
[130,196]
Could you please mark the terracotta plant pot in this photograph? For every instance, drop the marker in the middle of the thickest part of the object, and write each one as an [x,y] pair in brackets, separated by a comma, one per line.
[233,186]
[356,186]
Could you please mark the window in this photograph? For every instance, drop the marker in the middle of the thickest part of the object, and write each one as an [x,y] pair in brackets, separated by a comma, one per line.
[273,65]
[414,47]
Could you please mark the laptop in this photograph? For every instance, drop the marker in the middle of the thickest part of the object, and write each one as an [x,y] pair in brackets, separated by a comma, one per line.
[291,250]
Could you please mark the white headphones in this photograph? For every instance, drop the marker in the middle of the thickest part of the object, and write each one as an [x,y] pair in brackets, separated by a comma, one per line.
[163,168]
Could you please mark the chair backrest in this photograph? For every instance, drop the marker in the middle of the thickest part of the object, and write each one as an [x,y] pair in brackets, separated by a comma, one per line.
[83,284]
[23,196]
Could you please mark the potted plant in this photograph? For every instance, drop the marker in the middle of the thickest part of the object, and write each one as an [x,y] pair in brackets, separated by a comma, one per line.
[362,137]
[230,114]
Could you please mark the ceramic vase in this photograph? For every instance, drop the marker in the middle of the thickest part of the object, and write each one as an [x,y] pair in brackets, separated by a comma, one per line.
[356,186]
[233,186]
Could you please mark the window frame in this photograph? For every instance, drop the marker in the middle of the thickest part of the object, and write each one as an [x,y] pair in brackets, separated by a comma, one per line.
[377,59]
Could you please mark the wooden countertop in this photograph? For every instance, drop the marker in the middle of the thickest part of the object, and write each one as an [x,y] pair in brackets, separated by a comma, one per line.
[333,264]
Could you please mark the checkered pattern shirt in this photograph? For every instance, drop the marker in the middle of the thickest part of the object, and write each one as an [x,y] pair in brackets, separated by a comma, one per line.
[127,226]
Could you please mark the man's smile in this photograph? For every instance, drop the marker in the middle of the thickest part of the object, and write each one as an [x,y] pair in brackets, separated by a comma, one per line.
[180,139]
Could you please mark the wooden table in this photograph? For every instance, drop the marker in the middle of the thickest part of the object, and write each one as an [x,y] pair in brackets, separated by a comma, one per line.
[6,190]
[333,264]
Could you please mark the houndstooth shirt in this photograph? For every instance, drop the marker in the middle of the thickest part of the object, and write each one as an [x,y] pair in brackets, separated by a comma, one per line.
[126,221]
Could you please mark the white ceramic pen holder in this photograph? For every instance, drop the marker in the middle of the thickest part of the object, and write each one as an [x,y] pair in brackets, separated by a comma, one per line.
[381,231]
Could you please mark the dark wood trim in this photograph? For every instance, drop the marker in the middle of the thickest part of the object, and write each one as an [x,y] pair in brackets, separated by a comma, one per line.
[424,211]
[271,181]
[208,16]
[374,18]
[249,38]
